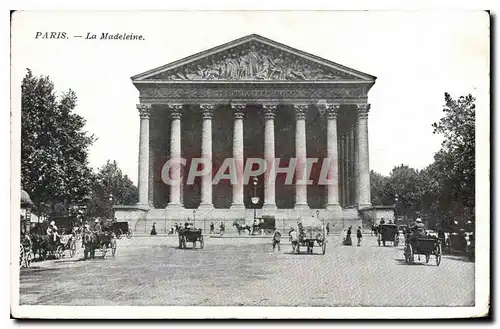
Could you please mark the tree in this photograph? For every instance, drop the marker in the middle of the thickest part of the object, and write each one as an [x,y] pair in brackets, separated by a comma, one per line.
[54,145]
[454,167]
[110,182]
[379,192]
[405,183]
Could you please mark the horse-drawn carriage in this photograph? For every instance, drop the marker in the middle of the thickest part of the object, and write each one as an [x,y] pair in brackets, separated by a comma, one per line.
[192,235]
[310,231]
[422,246]
[120,229]
[46,245]
[102,240]
[388,233]
[26,252]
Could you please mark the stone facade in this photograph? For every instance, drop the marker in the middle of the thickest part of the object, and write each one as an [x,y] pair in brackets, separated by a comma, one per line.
[252,97]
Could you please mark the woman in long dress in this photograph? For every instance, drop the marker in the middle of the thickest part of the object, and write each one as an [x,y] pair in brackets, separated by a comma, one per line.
[348,241]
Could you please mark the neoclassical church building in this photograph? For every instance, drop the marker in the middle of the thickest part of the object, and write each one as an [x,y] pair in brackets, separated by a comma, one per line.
[251,98]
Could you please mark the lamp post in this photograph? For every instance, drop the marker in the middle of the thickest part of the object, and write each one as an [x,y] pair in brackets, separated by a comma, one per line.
[194,218]
[111,200]
[255,199]
[396,199]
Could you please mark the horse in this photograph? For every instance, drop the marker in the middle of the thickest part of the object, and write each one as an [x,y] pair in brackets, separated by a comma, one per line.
[240,228]
[90,243]
[42,245]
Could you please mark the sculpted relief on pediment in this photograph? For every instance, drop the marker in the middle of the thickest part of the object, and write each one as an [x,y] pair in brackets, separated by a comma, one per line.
[253,62]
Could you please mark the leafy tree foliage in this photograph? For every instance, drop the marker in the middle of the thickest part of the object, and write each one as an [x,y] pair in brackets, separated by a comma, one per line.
[54,145]
[454,167]
[444,192]
[110,187]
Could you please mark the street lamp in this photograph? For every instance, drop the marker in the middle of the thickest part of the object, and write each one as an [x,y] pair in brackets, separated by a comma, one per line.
[194,218]
[110,198]
[255,199]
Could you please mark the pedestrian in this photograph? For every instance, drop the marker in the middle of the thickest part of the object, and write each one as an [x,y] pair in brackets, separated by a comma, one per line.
[327,228]
[359,235]
[348,240]
[294,239]
[222,228]
[212,228]
[276,239]
[153,229]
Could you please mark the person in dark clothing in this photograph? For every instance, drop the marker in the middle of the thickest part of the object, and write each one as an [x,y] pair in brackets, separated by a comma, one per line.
[327,228]
[276,239]
[153,229]
[348,240]
[359,235]
[212,228]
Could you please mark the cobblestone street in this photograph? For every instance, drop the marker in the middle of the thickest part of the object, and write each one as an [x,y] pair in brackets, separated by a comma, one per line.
[246,272]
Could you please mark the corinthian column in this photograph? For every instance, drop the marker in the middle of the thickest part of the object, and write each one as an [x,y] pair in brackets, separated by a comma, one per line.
[175,156]
[269,154]
[333,158]
[364,158]
[144,114]
[301,156]
[206,154]
[238,115]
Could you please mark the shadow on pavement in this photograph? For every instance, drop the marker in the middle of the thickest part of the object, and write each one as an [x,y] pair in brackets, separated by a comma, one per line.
[403,262]
[460,258]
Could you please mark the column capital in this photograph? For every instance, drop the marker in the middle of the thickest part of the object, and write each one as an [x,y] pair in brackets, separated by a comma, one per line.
[300,111]
[207,111]
[144,110]
[269,111]
[332,111]
[363,110]
[238,112]
[175,111]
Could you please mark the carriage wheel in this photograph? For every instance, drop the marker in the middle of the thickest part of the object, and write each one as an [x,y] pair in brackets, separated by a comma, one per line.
[104,249]
[202,243]
[72,249]
[323,246]
[409,254]
[59,252]
[21,256]
[438,254]
[129,234]
[113,248]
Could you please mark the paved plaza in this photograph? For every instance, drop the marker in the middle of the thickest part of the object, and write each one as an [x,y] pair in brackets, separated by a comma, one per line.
[246,272]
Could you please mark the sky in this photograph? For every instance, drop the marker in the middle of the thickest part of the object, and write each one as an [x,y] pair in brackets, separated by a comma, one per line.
[416,56]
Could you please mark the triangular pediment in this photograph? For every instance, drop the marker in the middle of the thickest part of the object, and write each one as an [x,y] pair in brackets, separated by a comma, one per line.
[253,58]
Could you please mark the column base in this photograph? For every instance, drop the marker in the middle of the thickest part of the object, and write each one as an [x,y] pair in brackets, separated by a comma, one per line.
[301,206]
[333,207]
[206,206]
[364,205]
[237,206]
[269,206]
[143,206]
[174,206]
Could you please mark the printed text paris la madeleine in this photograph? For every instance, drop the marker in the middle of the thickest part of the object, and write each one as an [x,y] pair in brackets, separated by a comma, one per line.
[90,36]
